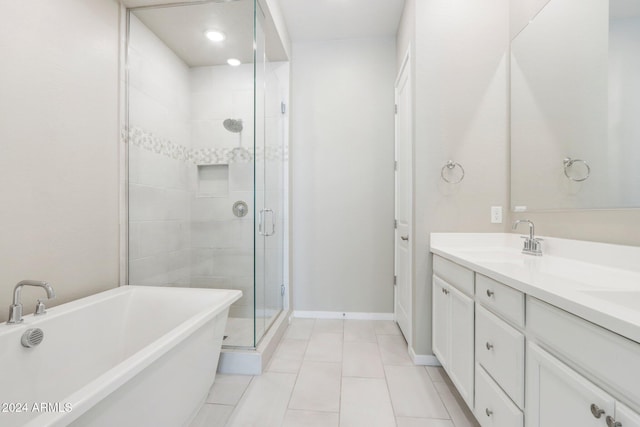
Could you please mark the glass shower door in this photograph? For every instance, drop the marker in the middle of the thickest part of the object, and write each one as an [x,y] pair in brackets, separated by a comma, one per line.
[269,186]
[205,156]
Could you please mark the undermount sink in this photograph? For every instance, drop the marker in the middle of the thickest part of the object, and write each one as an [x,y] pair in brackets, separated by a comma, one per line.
[628,299]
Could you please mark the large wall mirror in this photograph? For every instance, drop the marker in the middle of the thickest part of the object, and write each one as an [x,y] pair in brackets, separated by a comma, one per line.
[575,107]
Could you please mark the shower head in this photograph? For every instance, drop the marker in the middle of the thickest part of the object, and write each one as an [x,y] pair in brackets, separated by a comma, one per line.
[233,125]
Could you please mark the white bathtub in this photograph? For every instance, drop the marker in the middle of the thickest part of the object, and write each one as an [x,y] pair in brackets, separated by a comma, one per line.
[132,356]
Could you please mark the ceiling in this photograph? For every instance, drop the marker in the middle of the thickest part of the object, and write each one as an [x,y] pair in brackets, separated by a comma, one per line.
[341,19]
[182,29]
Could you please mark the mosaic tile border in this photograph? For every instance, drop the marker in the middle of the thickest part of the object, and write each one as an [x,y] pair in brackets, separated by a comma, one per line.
[202,156]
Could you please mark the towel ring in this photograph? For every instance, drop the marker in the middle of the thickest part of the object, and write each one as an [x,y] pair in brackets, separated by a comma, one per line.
[451,165]
[568,162]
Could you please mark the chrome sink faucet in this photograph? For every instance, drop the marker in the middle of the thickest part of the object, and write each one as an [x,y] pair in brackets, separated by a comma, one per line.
[532,245]
[15,309]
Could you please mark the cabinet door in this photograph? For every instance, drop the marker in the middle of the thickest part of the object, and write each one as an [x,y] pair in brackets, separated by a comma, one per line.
[441,327]
[462,344]
[626,417]
[558,396]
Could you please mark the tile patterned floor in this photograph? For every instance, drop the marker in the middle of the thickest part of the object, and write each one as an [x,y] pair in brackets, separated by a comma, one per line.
[337,373]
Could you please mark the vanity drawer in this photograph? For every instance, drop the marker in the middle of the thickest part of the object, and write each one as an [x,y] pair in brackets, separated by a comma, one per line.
[607,358]
[500,350]
[454,274]
[501,299]
[493,407]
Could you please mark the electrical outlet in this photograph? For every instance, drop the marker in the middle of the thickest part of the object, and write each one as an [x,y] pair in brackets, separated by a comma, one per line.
[496,214]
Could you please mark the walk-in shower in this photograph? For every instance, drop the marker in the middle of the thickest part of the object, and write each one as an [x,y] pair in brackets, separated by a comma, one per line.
[206,155]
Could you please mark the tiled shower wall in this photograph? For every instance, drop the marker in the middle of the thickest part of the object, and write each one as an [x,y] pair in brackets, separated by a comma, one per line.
[159,192]
[222,244]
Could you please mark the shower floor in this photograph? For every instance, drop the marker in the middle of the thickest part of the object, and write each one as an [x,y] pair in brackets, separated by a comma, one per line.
[239,330]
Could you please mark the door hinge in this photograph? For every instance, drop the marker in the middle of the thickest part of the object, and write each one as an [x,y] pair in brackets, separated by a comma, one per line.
[395,280]
[282,290]
[395,165]
[395,108]
[395,223]
[283,107]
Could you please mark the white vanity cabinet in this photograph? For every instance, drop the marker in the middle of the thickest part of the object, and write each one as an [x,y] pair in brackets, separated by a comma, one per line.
[519,361]
[500,351]
[493,407]
[558,395]
[626,417]
[557,391]
[500,354]
[453,332]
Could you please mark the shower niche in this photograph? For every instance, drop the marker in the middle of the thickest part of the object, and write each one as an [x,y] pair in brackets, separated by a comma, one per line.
[203,135]
[213,181]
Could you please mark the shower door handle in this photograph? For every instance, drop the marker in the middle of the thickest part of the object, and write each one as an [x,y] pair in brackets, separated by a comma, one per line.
[262,229]
[261,223]
[273,222]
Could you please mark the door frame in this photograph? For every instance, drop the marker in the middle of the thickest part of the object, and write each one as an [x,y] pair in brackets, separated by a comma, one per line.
[404,68]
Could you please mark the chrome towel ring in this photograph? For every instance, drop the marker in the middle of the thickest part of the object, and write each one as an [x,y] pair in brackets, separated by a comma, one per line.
[451,165]
[568,163]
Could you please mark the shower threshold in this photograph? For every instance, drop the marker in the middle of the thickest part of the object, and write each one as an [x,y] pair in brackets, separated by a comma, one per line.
[253,361]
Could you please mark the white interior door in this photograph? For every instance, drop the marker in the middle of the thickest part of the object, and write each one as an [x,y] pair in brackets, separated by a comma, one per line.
[403,205]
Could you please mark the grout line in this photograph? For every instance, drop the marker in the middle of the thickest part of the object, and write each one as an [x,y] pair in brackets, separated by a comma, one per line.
[386,382]
[341,376]
[244,392]
[295,383]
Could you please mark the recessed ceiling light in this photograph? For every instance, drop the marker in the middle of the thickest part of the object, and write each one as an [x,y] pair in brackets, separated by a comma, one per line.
[215,36]
[233,62]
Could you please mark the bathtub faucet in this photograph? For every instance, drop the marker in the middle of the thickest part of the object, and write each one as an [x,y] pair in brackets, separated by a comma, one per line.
[15,309]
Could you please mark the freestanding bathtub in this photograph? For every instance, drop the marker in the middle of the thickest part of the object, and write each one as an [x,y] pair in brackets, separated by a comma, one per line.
[132,356]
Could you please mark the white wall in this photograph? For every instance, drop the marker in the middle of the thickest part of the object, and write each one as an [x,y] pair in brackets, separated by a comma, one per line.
[59,147]
[342,175]
[460,91]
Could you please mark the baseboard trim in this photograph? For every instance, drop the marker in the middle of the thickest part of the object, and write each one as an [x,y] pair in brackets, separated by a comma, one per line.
[342,315]
[423,359]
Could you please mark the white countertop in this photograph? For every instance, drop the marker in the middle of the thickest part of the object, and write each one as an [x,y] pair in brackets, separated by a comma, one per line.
[597,281]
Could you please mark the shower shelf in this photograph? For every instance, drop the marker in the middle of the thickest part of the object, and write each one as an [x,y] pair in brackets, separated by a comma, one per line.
[213,180]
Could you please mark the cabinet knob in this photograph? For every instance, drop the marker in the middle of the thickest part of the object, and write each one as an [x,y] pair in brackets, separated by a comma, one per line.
[489,293]
[596,411]
[405,238]
[612,423]
[489,345]
[488,411]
